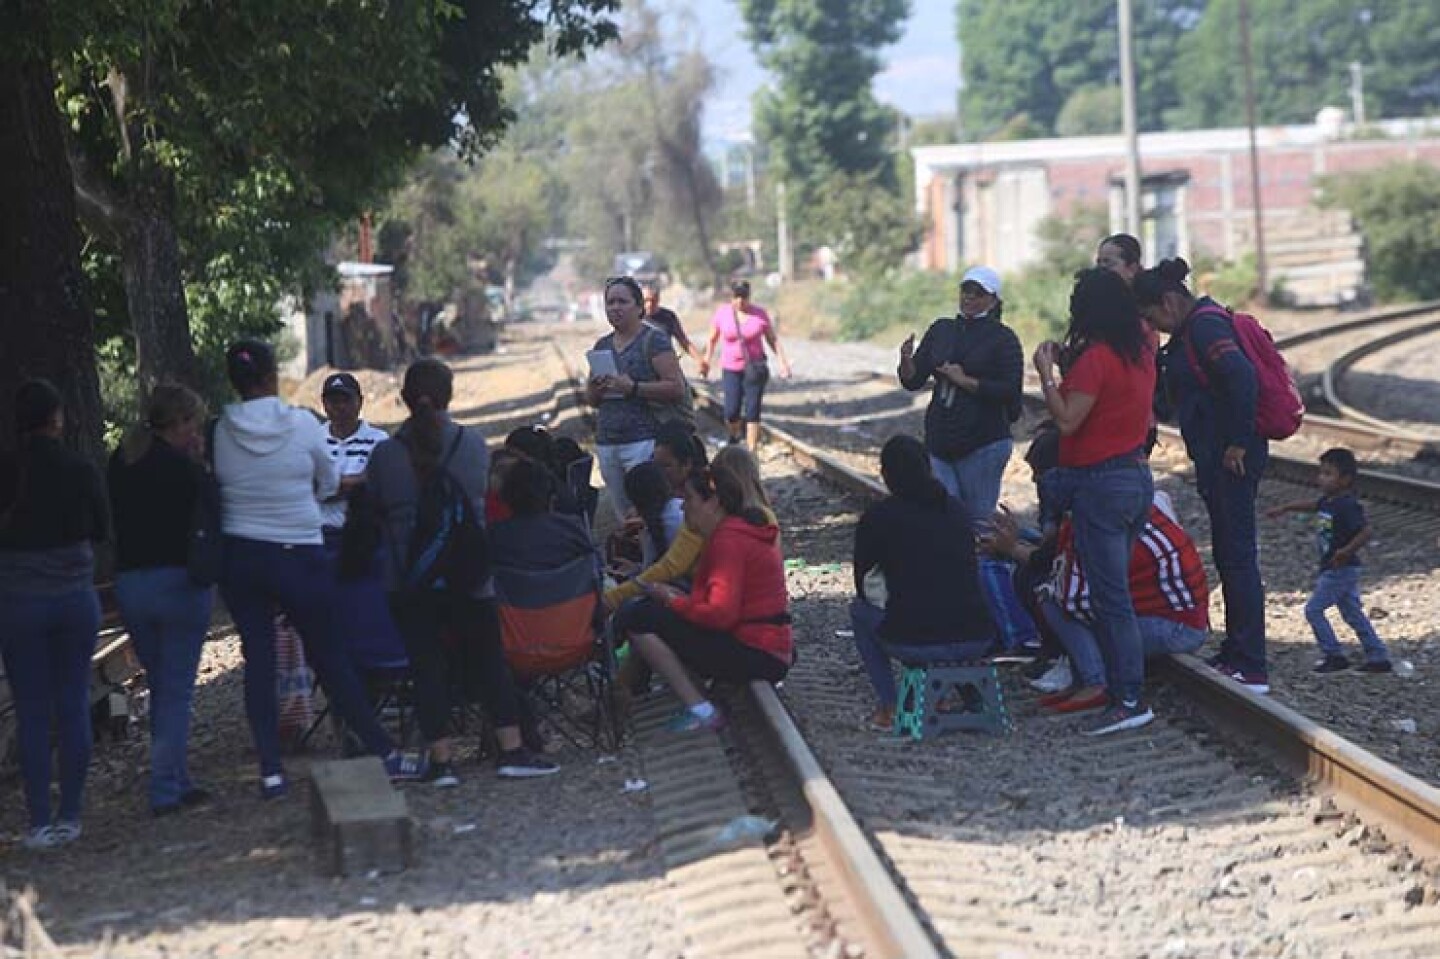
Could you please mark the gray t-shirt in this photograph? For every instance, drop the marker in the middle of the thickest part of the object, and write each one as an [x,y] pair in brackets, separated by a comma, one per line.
[625,419]
[393,488]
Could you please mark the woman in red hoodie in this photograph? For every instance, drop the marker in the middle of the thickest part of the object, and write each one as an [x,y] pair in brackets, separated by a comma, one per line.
[734,625]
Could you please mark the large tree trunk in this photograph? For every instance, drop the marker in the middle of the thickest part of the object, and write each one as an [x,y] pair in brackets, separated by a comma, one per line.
[154,289]
[45,325]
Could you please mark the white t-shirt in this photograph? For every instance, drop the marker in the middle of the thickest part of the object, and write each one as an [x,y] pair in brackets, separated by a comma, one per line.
[351,455]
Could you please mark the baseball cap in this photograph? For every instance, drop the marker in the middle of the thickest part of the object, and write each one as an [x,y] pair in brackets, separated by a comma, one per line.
[988,279]
[341,383]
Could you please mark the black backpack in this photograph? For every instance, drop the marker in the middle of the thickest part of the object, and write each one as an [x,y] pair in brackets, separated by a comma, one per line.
[448,548]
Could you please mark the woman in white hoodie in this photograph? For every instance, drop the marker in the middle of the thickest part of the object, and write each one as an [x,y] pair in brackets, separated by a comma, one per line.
[274,469]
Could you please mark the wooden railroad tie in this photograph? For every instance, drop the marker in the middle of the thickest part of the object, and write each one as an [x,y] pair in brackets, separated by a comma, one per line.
[360,822]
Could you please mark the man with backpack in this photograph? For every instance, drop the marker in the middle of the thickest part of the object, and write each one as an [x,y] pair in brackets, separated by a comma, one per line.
[1231,395]
[427,486]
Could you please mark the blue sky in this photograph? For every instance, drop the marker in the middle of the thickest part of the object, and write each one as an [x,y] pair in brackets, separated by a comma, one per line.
[921,76]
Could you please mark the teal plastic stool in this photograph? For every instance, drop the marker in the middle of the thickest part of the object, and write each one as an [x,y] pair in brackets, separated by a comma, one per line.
[971,694]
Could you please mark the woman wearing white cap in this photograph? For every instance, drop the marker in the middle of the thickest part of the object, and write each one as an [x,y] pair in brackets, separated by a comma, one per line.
[977,367]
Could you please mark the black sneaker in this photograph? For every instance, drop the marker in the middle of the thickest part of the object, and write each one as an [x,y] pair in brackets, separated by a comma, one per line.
[442,775]
[1333,664]
[1379,666]
[1219,662]
[521,763]
[1120,715]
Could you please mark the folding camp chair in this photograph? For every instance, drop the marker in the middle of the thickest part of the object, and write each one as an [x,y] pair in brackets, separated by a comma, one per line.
[562,662]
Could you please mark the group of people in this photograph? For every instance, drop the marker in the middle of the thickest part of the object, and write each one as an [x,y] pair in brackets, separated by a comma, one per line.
[1110,576]
[324,522]
[707,593]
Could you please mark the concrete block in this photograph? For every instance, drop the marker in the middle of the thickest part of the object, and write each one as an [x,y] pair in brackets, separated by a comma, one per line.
[360,822]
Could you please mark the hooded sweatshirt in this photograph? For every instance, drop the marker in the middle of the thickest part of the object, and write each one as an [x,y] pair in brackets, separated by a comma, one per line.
[740,588]
[274,468]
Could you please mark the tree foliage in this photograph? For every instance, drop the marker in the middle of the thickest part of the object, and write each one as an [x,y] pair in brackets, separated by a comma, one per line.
[1398,210]
[216,146]
[1032,56]
[1302,55]
[822,118]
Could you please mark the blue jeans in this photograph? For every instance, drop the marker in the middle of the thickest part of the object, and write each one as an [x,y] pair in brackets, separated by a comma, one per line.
[260,578]
[47,642]
[1158,637]
[167,616]
[1230,501]
[876,654]
[1341,587]
[974,479]
[1111,501]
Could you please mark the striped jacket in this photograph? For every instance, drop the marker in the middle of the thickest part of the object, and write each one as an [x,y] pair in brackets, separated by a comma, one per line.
[1167,579]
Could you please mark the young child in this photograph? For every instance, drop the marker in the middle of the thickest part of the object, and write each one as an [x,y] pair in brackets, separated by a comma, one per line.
[1343,530]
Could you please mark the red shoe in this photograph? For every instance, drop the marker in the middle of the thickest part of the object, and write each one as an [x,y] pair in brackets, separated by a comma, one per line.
[1082,704]
[1054,699]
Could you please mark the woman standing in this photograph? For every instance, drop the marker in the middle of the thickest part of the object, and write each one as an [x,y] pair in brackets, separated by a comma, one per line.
[274,469]
[426,444]
[156,481]
[647,372]
[1214,389]
[52,509]
[977,366]
[1102,409]
[742,329]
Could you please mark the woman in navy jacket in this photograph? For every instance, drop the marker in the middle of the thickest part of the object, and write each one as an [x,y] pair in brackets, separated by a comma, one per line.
[1213,388]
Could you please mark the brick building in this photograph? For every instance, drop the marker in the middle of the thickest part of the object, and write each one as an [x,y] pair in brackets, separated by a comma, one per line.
[982,201]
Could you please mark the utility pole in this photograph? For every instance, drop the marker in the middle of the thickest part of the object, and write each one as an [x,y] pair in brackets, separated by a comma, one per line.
[1357,93]
[1129,124]
[750,176]
[782,232]
[1261,274]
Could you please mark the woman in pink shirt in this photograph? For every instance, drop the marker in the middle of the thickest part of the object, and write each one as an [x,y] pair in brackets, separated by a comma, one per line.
[742,329]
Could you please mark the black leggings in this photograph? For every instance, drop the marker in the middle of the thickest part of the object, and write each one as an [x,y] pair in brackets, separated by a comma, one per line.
[710,652]
[474,668]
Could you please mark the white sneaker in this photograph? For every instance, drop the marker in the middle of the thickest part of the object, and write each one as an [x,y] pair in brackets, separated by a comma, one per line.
[1056,678]
[41,837]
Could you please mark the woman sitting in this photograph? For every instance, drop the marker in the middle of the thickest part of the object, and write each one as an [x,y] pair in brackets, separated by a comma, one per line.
[678,453]
[921,542]
[661,510]
[735,624]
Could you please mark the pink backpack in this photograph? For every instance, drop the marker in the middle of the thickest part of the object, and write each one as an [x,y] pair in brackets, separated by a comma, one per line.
[1278,407]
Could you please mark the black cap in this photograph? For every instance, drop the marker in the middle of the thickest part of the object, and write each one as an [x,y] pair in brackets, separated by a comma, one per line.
[340,383]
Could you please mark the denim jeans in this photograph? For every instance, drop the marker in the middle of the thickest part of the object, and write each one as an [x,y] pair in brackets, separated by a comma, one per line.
[1158,637]
[615,459]
[876,654]
[47,642]
[1109,508]
[974,479]
[260,578]
[1230,501]
[1341,587]
[167,616]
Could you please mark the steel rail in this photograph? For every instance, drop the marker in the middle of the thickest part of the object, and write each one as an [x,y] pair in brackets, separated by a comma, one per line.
[1330,383]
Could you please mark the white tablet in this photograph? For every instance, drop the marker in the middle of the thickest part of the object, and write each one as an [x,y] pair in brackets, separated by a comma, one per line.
[602,363]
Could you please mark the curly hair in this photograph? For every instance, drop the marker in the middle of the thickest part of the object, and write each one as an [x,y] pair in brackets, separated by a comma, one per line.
[1103,310]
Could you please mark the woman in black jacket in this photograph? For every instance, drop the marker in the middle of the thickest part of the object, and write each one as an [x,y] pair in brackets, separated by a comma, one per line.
[977,367]
[155,481]
[917,588]
[52,509]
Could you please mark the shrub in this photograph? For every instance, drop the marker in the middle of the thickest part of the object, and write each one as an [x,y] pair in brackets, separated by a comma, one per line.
[1398,210]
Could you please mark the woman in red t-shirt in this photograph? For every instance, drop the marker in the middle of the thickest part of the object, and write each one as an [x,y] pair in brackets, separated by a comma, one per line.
[1102,408]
